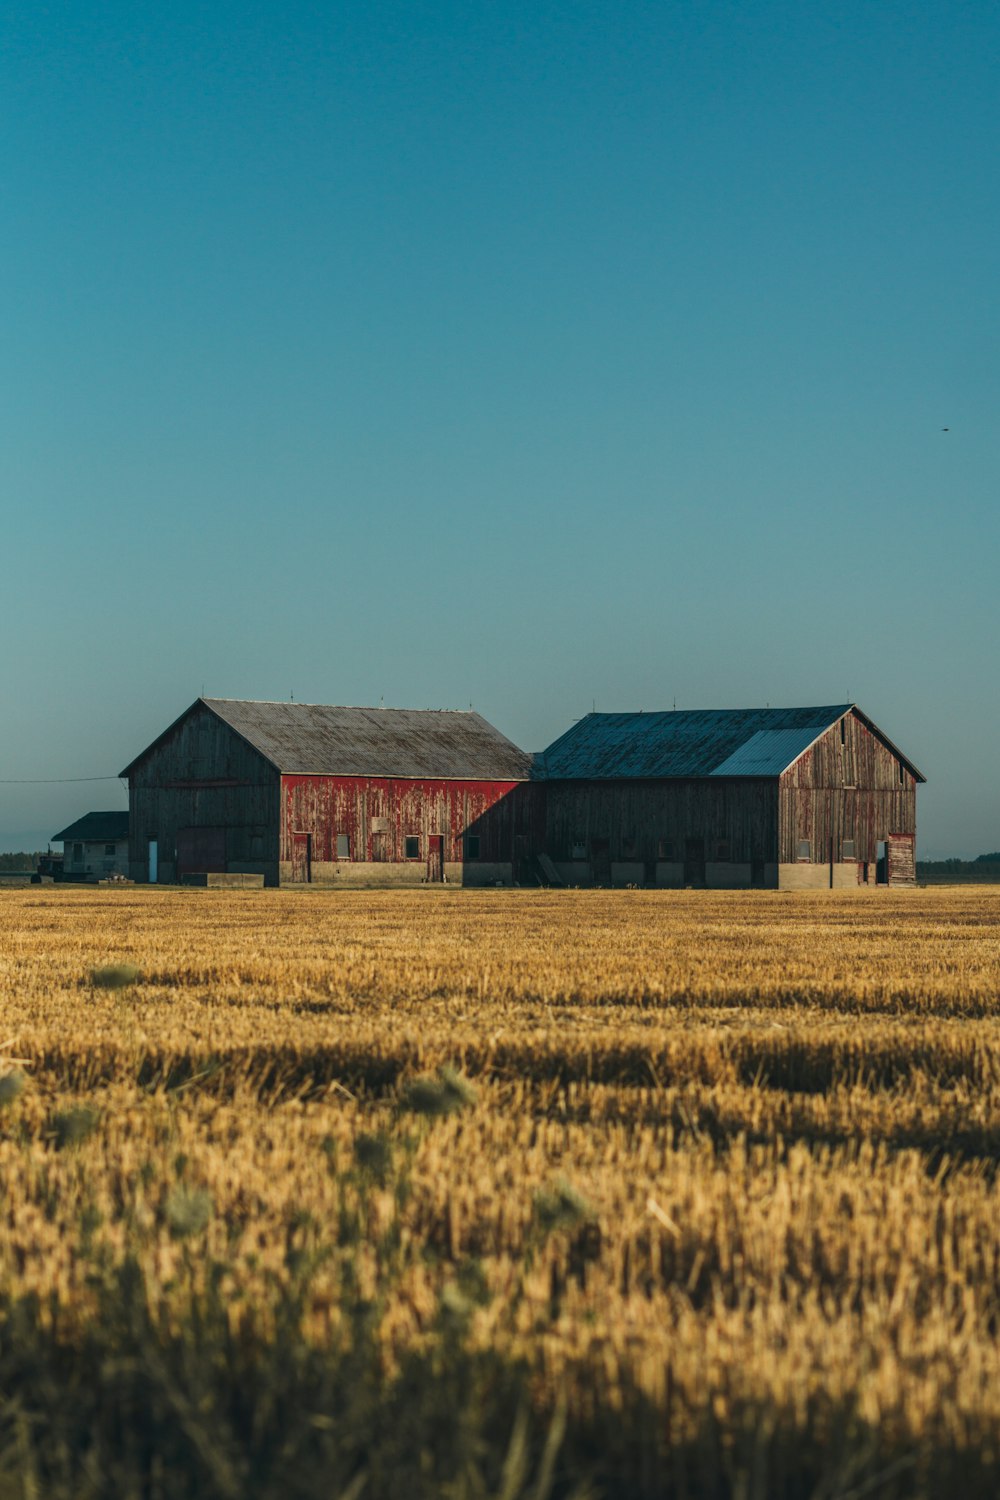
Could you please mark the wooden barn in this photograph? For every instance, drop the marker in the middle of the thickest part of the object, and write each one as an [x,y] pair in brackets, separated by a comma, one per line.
[307,793]
[796,798]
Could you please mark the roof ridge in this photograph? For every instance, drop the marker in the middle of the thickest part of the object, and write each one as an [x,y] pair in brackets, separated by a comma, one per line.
[374,708]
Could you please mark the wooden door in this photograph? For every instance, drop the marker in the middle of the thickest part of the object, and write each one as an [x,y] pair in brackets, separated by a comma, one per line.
[600,861]
[694,861]
[435,857]
[901,868]
[200,850]
[301,858]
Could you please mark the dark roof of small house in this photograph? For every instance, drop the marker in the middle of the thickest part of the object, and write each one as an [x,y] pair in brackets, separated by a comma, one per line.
[693,743]
[95,828]
[317,739]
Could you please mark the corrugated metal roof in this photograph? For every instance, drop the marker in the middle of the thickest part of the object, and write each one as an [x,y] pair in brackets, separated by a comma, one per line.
[314,739]
[768,752]
[95,828]
[684,742]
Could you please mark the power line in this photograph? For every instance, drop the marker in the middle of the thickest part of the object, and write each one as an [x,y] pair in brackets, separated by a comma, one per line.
[56,780]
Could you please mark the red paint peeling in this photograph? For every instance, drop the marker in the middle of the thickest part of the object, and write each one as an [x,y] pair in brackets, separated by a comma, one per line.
[378,814]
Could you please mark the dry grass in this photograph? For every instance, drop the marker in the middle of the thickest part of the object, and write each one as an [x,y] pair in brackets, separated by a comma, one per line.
[725,1180]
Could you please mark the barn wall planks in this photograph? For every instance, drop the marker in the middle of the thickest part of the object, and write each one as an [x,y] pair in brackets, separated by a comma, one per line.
[651,822]
[849,788]
[202,776]
[486,826]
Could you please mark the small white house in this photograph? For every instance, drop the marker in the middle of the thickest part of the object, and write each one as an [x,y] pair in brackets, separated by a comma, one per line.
[95,846]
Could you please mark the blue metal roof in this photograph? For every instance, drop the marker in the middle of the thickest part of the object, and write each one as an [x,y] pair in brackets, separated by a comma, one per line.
[691,742]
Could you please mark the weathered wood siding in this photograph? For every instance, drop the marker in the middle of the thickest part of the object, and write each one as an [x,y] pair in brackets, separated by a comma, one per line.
[203,776]
[376,816]
[848,787]
[644,823]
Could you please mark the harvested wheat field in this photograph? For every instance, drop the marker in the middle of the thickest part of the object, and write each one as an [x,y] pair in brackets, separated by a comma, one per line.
[499,1194]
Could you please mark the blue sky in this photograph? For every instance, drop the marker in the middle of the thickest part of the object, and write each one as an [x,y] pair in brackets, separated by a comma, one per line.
[528,355]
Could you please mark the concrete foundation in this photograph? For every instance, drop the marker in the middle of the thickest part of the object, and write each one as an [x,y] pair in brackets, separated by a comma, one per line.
[364,874]
[802,877]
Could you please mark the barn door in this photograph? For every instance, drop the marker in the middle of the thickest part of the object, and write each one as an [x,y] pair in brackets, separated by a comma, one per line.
[435,857]
[694,861]
[899,859]
[301,858]
[200,850]
[600,861]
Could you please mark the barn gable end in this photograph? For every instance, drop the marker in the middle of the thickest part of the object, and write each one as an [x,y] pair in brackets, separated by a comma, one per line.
[793,798]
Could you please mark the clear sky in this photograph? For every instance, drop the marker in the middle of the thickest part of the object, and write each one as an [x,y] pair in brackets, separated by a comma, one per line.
[526,354]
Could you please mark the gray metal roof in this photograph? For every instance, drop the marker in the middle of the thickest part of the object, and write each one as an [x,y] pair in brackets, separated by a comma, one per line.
[688,742]
[315,739]
[768,752]
[95,828]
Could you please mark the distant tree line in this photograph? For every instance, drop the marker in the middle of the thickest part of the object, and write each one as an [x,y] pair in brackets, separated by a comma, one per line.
[13,862]
[983,867]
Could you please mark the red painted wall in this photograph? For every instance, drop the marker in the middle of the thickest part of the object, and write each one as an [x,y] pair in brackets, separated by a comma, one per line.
[377,815]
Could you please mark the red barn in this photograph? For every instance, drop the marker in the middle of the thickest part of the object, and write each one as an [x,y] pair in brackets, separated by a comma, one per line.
[299,792]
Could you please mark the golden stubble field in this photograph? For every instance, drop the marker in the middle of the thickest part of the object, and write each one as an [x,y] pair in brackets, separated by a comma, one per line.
[725,1158]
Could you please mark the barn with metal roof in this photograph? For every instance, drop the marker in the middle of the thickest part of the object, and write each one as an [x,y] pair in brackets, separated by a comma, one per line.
[315,793]
[782,797]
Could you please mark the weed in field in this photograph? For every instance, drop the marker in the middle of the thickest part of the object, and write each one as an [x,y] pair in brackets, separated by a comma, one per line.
[114,976]
[443,1095]
[11,1087]
[71,1127]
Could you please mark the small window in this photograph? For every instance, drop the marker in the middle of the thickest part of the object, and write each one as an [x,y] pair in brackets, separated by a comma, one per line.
[343,846]
[472,846]
[413,846]
[902,775]
[665,849]
[109,848]
[847,849]
[578,849]
[805,850]
[843,732]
